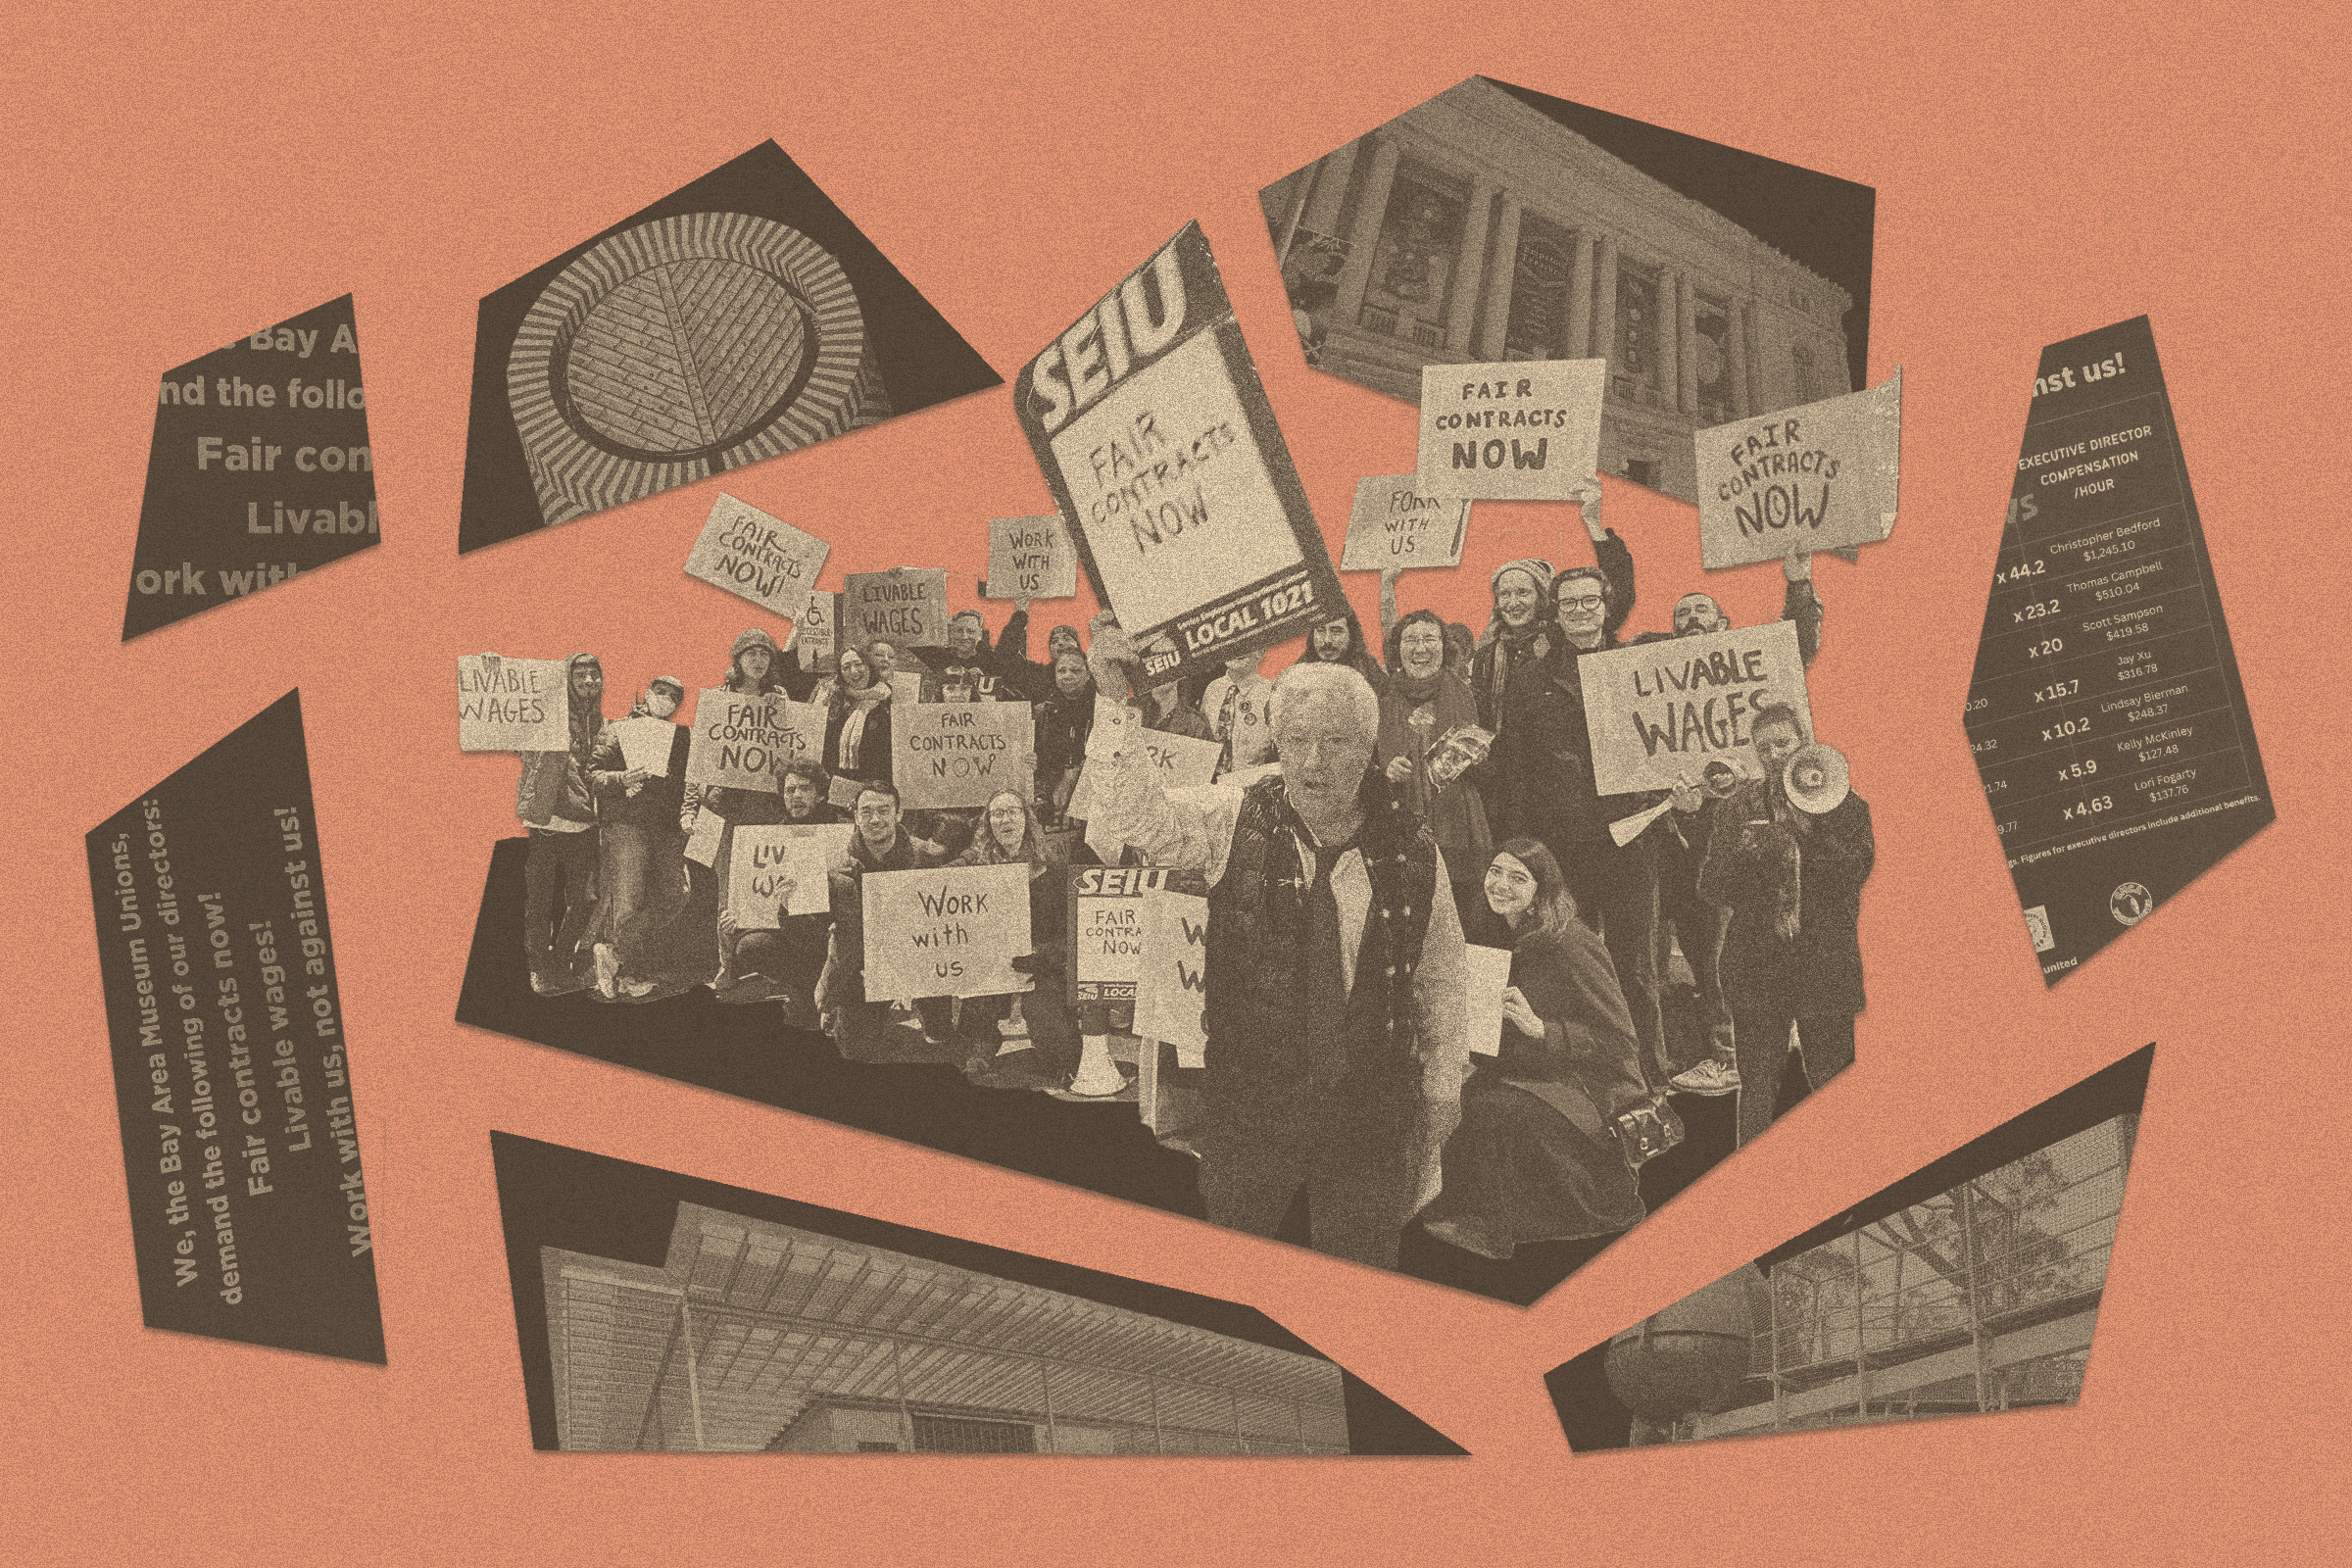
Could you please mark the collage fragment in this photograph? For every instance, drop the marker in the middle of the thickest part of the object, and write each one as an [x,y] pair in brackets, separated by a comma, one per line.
[1448,941]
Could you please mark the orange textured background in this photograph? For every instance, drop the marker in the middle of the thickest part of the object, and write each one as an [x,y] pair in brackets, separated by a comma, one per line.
[180,182]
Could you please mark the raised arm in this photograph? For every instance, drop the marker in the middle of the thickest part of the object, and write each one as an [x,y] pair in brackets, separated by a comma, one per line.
[1802,605]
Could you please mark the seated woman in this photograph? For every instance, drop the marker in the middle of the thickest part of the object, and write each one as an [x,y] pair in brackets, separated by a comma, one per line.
[1009,835]
[1536,1158]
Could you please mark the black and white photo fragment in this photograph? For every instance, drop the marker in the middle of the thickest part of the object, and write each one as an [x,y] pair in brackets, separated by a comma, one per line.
[2106,712]
[248,1201]
[737,320]
[659,1312]
[1493,223]
[259,470]
[1157,442]
[1970,1286]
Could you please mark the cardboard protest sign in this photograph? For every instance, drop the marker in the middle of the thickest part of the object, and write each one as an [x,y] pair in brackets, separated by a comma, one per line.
[1525,430]
[1031,558]
[764,854]
[817,634]
[1660,712]
[959,754]
[1178,761]
[512,704]
[645,742]
[1169,989]
[1487,973]
[701,844]
[1396,523]
[1159,444]
[742,742]
[843,791]
[906,689]
[1821,476]
[754,556]
[906,606]
[950,932]
[1106,926]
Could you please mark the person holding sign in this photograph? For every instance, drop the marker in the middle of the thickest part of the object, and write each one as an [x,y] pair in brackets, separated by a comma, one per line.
[858,724]
[785,963]
[1009,835]
[639,804]
[1035,680]
[1539,780]
[1239,707]
[1697,923]
[860,1027]
[1064,723]
[1790,866]
[1423,704]
[1536,1158]
[754,668]
[555,801]
[1334,966]
[994,673]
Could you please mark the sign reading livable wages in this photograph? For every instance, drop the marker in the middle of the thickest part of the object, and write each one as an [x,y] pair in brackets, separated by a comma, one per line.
[1660,712]
[1821,476]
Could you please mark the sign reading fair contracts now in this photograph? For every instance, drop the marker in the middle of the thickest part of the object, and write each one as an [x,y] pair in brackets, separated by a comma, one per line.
[756,557]
[1821,476]
[1659,713]
[512,704]
[959,754]
[1149,422]
[743,742]
[1526,430]
[1031,558]
[906,606]
[951,932]
[1396,523]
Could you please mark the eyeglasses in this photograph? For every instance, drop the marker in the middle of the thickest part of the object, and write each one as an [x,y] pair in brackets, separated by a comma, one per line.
[1582,602]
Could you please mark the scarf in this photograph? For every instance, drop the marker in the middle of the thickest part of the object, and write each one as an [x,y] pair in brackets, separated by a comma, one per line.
[853,730]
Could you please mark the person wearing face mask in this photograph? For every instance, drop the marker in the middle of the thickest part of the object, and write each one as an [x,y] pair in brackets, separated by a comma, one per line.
[1333,971]
[1063,721]
[782,964]
[1424,703]
[555,801]
[1695,924]
[642,850]
[1791,876]
[1341,641]
[993,673]
[1536,1158]
[1239,707]
[1009,835]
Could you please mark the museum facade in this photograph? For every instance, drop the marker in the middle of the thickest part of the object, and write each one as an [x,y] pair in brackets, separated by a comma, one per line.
[1474,229]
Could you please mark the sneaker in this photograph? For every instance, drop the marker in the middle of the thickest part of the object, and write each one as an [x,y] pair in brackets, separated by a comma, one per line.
[607,970]
[558,984]
[631,986]
[1709,1078]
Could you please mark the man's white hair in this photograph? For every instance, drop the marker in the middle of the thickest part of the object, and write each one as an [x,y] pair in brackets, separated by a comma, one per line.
[1303,680]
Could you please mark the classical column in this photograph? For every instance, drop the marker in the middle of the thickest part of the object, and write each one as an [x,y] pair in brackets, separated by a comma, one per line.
[1686,330]
[1604,304]
[1668,378]
[1734,350]
[1364,233]
[1499,278]
[1753,319]
[1330,191]
[1469,258]
[1580,304]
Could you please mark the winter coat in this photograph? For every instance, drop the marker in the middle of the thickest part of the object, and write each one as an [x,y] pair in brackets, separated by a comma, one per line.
[1756,873]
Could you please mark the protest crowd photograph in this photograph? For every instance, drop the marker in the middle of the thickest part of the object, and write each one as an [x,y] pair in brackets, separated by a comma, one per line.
[1448,983]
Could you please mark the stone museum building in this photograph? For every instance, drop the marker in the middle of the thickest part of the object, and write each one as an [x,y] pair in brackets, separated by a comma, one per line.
[1475,229]
[756,1336]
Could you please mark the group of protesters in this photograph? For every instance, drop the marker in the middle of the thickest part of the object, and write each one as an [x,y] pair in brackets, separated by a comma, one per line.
[1380,811]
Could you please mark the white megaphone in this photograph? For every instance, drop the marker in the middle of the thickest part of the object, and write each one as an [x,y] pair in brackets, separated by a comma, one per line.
[1098,1075]
[1817,779]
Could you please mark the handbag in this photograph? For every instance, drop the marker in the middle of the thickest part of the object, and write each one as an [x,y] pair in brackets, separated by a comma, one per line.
[1647,1131]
